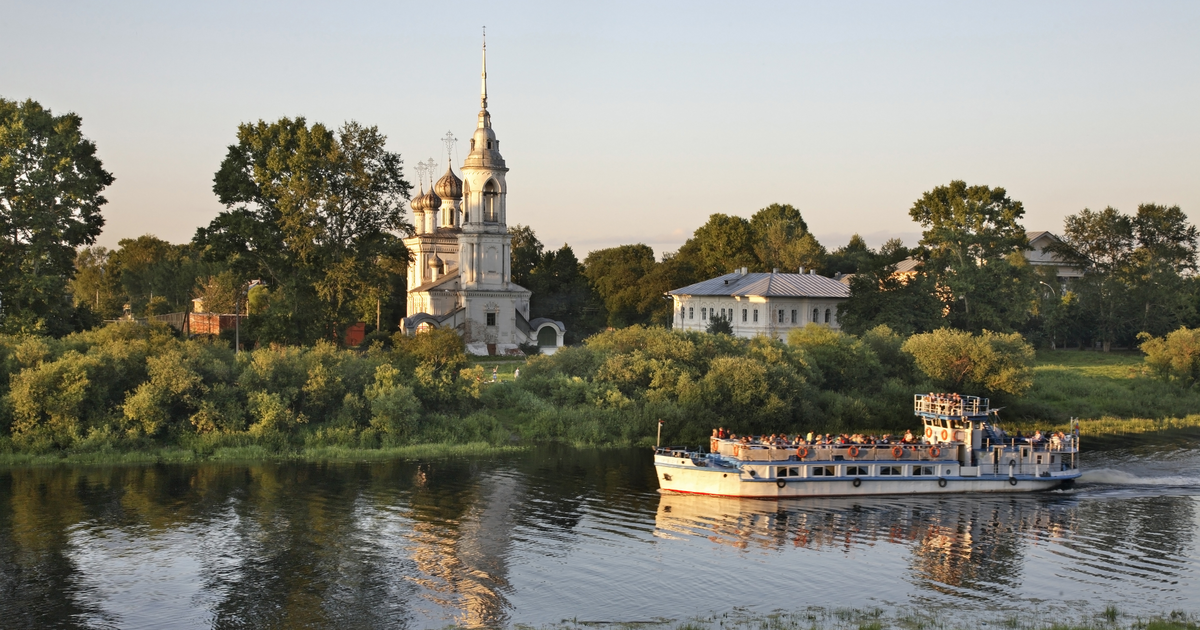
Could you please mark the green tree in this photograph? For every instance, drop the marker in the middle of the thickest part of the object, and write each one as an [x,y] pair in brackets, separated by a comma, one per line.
[973,246]
[850,258]
[781,240]
[719,325]
[315,213]
[988,363]
[1165,254]
[906,303]
[719,246]
[1174,357]
[620,276]
[50,185]
[526,253]
[97,282]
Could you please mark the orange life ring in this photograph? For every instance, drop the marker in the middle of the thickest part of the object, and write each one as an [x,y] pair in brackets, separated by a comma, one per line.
[802,452]
[853,451]
[945,435]
[897,451]
[928,432]
[935,452]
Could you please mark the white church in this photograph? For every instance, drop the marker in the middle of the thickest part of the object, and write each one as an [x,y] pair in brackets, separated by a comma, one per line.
[461,277]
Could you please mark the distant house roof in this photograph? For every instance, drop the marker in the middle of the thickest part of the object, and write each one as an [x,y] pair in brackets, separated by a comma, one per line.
[907,265]
[768,285]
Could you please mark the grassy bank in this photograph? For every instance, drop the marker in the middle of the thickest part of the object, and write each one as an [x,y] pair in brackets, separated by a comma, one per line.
[1088,384]
[253,453]
[821,618]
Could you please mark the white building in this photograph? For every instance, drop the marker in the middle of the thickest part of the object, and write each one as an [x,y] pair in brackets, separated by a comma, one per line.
[461,276]
[768,304]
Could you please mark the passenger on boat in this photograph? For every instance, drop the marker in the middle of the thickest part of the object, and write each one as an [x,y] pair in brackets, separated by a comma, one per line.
[908,437]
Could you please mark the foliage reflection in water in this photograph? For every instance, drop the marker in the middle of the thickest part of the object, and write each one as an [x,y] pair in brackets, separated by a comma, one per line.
[559,533]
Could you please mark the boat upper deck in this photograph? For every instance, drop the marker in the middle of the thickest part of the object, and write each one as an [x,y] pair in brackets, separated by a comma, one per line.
[950,406]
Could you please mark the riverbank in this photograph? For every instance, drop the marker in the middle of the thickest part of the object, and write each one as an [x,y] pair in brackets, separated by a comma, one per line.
[822,618]
[252,453]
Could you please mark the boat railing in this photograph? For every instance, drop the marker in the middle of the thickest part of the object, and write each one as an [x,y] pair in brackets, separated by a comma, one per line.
[834,452]
[944,406]
[1054,444]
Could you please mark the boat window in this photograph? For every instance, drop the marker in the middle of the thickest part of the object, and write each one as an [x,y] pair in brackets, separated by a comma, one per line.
[787,471]
[1039,459]
[891,470]
[923,470]
[823,471]
[856,470]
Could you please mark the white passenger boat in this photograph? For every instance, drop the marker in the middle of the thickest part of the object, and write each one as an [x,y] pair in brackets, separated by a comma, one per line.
[963,451]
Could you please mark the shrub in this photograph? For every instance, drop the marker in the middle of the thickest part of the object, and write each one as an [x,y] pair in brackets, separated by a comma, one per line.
[1175,357]
[990,363]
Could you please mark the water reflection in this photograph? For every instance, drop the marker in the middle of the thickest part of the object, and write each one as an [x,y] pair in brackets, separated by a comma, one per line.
[970,548]
[537,538]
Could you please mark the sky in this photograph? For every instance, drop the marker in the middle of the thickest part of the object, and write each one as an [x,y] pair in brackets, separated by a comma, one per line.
[633,122]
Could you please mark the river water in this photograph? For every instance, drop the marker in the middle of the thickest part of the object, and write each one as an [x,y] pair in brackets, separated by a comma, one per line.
[559,533]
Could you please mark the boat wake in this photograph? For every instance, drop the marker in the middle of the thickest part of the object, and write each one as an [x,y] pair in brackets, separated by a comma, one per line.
[1109,476]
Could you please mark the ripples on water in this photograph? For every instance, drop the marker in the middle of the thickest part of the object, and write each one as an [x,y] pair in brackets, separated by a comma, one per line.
[557,534]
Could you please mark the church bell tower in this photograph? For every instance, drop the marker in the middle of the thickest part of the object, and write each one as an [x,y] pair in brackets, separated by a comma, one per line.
[485,243]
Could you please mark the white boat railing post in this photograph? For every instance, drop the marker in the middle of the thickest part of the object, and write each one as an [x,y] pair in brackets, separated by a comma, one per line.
[658,442]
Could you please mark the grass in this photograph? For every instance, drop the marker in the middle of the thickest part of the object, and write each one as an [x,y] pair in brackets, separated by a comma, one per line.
[253,453]
[1110,392]
[902,618]
[505,366]
[1088,384]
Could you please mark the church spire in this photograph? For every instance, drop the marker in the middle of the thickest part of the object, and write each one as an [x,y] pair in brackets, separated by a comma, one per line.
[483,79]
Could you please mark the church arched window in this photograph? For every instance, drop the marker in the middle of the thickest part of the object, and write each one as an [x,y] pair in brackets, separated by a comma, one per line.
[490,203]
[816,316]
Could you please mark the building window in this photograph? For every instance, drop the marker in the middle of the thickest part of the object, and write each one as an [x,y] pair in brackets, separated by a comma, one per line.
[703,314]
[490,194]
[743,314]
[816,316]
[756,315]
[780,316]
[826,316]
[793,316]
[691,312]
[491,319]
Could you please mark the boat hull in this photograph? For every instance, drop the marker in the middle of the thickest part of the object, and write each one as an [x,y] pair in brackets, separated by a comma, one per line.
[728,482]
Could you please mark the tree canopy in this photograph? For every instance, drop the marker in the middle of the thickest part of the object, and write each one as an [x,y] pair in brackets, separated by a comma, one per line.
[973,246]
[318,214]
[50,185]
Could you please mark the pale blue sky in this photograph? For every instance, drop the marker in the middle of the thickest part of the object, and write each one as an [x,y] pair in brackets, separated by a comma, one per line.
[632,122]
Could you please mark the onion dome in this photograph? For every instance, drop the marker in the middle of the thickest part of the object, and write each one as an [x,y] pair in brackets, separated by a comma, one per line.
[449,186]
[435,262]
[419,203]
[433,200]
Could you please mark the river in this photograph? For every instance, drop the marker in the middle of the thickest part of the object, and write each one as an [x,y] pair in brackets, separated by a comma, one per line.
[558,533]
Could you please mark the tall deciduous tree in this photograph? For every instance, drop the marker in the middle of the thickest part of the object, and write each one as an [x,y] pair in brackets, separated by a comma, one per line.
[317,214]
[50,185]
[620,277]
[973,246]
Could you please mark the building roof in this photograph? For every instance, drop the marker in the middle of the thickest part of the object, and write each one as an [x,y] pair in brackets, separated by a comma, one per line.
[429,286]
[768,285]
[907,265]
